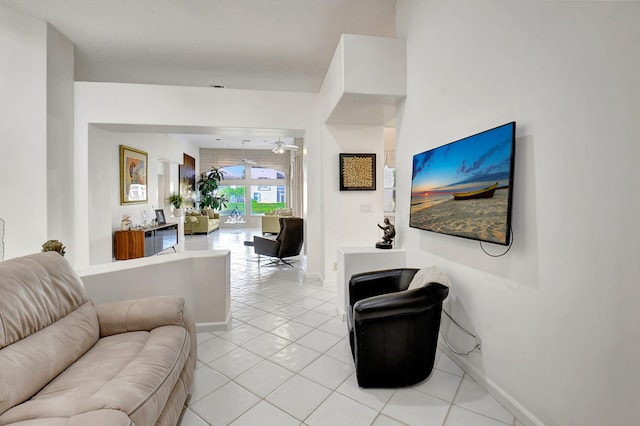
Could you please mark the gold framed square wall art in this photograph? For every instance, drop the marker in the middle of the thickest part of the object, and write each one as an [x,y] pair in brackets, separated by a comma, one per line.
[357,172]
[133,175]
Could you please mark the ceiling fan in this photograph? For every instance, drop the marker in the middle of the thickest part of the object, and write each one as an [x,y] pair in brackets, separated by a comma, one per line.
[244,159]
[281,147]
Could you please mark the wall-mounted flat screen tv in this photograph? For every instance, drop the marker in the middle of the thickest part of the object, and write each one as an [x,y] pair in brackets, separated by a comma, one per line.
[465,188]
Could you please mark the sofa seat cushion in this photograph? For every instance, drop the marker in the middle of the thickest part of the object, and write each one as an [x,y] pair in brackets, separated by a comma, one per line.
[133,373]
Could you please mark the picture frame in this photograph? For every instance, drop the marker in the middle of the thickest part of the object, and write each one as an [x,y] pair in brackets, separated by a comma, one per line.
[187,179]
[133,175]
[357,172]
[160,219]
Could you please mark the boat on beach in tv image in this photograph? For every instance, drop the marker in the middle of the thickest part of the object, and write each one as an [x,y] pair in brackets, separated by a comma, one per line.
[465,188]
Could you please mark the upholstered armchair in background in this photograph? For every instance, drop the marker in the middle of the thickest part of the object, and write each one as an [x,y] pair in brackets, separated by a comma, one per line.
[393,331]
[287,243]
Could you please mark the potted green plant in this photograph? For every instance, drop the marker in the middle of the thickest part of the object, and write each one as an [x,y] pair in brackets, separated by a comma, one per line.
[208,186]
[176,202]
[54,245]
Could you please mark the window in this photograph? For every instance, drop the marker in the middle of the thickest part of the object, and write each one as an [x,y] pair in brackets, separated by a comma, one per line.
[233,172]
[389,189]
[265,198]
[236,196]
[256,190]
[264,173]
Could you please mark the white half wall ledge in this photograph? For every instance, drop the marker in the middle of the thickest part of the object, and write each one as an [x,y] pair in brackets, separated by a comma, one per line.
[201,277]
[354,260]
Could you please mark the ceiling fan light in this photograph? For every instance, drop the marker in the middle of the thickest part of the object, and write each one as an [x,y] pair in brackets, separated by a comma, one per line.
[279,148]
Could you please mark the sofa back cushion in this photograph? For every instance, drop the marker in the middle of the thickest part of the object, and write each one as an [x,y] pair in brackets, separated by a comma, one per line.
[284,212]
[210,213]
[46,323]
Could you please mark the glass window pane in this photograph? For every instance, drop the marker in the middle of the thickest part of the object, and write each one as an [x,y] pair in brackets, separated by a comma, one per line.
[233,172]
[389,189]
[235,195]
[265,173]
[265,198]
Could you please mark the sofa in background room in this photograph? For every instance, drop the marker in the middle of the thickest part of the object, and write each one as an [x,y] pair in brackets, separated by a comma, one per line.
[66,361]
[196,222]
[271,220]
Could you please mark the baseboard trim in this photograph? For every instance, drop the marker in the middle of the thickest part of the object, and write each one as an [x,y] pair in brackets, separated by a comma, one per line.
[314,275]
[507,401]
[203,327]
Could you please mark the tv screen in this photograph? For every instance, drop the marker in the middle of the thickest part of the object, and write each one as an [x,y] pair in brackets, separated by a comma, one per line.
[465,188]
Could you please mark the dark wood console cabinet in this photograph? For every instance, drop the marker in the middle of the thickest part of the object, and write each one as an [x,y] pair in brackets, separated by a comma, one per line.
[145,242]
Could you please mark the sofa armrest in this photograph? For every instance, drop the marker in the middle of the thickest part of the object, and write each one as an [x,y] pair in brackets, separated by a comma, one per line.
[369,284]
[142,314]
[265,246]
[405,302]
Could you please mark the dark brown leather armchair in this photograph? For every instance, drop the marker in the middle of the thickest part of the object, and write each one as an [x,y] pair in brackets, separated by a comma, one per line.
[393,331]
[288,243]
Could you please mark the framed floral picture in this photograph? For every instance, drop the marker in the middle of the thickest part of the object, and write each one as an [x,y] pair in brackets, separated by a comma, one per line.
[133,175]
[357,172]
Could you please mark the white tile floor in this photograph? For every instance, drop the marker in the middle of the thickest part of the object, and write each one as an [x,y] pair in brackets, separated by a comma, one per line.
[286,360]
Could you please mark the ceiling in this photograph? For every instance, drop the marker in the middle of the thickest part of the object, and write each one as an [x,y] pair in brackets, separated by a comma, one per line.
[242,44]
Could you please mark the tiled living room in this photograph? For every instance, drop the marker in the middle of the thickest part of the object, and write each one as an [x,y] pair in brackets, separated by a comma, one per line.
[555,311]
[286,359]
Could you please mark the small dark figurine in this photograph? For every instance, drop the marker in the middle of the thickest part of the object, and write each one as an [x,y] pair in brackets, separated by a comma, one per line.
[387,238]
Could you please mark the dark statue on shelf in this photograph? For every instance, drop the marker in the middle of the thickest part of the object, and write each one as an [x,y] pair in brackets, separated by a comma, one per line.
[389,234]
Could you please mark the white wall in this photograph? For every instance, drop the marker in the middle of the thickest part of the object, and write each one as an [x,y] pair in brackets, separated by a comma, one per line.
[59,137]
[351,217]
[201,277]
[23,132]
[373,65]
[558,314]
[366,76]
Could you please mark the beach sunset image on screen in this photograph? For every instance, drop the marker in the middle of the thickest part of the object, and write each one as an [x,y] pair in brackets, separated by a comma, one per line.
[465,188]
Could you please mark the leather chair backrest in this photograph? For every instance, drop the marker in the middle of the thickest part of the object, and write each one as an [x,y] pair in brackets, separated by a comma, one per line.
[290,236]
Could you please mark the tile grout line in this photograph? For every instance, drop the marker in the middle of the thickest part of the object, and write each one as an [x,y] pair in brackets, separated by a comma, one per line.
[446,417]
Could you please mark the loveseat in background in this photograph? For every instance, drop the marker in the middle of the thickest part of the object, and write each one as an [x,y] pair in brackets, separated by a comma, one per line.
[201,222]
[271,220]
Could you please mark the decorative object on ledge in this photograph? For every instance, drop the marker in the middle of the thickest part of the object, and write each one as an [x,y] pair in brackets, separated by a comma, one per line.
[133,176]
[389,234]
[125,222]
[187,172]
[176,201]
[160,219]
[357,172]
[54,245]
